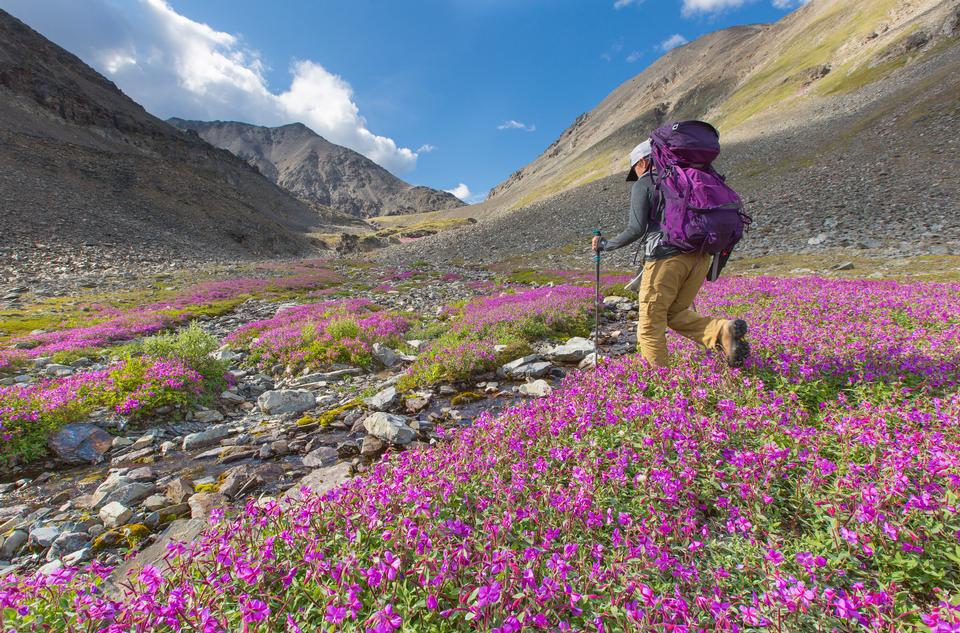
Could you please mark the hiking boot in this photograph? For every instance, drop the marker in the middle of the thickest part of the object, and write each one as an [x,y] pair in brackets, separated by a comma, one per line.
[734,347]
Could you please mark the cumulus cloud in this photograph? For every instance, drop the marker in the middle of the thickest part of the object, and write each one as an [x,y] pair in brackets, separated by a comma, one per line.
[463,192]
[174,66]
[694,7]
[634,56]
[426,148]
[516,125]
[672,42]
[619,4]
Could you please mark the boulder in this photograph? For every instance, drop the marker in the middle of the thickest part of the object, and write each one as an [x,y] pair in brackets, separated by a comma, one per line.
[286,401]
[517,363]
[141,474]
[382,400]
[613,300]
[318,457]
[536,389]
[329,376]
[531,370]
[371,446]
[208,416]
[58,371]
[115,514]
[154,503]
[122,490]
[573,351]
[80,443]
[67,544]
[179,490]
[180,531]
[206,438]
[51,568]
[386,356]
[389,428]
[416,404]
[43,536]
[203,503]
[77,557]
[320,481]
[237,480]
[225,355]
[12,544]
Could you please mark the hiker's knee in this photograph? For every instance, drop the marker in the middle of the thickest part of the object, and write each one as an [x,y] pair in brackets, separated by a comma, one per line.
[652,308]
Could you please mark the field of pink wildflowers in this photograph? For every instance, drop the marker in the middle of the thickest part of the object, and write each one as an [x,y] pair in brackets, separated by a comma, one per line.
[108,325]
[320,334]
[132,387]
[513,319]
[817,489]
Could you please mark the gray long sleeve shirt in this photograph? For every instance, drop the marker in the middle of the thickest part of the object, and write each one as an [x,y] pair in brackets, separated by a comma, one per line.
[643,222]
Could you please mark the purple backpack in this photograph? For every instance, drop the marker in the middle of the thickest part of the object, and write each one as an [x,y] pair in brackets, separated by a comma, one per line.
[701,213]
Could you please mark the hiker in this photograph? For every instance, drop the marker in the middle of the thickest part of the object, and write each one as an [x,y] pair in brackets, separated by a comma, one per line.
[671,275]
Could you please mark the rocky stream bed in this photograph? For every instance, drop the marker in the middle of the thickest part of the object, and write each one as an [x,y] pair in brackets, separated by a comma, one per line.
[120,490]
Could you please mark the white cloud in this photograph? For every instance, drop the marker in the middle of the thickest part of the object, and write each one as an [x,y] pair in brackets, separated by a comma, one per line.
[788,4]
[174,66]
[619,4]
[463,192]
[634,56]
[516,125]
[672,42]
[693,7]
[426,148]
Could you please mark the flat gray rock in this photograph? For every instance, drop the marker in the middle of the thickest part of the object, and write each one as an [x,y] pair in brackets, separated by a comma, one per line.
[320,481]
[531,370]
[382,400]
[389,428]
[203,439]
[179,531]
[536,389]
[286,401]
[323,456]
[573,351]
[516,364]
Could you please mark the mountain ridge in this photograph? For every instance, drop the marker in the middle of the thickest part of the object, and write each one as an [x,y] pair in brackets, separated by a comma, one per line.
[318,171]
[822,49]
[829,164]
[83,166]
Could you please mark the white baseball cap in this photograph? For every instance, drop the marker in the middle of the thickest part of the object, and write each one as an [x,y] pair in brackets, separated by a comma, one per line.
[639,152]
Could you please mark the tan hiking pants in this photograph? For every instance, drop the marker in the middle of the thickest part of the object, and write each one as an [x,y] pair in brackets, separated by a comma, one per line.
[667,289]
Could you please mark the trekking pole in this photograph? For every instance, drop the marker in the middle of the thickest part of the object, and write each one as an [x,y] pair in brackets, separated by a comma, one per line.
[596,305]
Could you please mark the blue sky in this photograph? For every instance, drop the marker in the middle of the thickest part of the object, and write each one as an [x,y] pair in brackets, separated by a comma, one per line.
[444,93]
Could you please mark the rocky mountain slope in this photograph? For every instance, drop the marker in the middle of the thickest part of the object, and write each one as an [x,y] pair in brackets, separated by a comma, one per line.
[318,171]
[95,180]
[835,122]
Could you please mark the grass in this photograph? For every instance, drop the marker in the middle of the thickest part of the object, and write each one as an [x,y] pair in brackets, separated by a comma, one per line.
[574,176]
[933,268]
[780,81]
[420,229]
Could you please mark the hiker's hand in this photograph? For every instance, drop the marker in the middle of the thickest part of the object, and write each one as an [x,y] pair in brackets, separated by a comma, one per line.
[596,243]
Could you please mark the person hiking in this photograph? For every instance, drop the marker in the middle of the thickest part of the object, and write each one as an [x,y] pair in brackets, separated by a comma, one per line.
[671,277]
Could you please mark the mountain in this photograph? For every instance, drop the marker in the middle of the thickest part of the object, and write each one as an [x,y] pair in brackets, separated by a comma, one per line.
[318,171]
[837,123]
[85,168]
